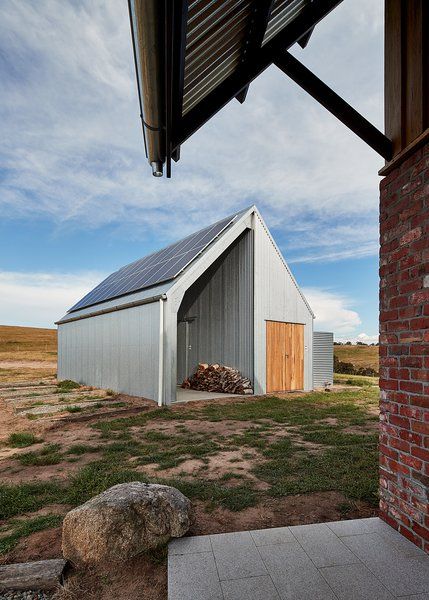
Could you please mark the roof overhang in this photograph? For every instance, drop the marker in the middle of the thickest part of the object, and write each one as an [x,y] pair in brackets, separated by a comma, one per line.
[193,56]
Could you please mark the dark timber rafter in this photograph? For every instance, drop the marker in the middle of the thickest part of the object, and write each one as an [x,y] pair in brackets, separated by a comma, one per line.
[175,35]
[305,38]
[255,37]
[334,103]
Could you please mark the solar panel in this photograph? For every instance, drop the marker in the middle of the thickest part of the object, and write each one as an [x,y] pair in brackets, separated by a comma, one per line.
[155,268]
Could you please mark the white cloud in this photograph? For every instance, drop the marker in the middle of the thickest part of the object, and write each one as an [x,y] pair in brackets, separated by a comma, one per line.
[356,251]
[37,299]
[368,339]
[333,312]
[362,337]
[72,149]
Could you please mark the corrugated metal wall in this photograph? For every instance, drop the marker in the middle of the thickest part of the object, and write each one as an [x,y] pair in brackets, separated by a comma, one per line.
[221,304]
[323,358]
[118,350]
[277,298]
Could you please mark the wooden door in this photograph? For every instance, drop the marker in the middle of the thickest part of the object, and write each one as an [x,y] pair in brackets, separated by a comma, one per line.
[285,356]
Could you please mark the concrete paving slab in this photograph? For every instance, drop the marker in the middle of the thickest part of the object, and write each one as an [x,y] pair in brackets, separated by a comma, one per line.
[293,573]
[190,545]
[275,535]
[406,576]
[185,395]
[369,547]
[286,563]
[400,542]
[322,545]
[252,588]
[193,576]
[355,582]
[236,556]
[357,526]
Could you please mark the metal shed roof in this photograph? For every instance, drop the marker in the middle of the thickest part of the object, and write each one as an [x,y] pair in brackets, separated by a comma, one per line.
[193,56]
[155,268]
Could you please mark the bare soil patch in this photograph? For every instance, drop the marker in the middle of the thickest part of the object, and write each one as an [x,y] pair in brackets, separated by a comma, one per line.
[278,512]
[40,545]
[140,578]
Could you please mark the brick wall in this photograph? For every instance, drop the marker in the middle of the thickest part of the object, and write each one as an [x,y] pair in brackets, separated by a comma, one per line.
[404,347]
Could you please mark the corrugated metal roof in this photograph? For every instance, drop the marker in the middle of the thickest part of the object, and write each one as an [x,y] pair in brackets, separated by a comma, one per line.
[210,51]
[215,36]
[282,13]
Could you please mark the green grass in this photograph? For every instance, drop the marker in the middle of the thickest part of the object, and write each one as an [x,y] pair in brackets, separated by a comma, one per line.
[333,436]
[292,411]
[27,497]
[358,380]
[349,464]
[20,529]
[48,455]
[79,449]
[22,439]
[253,437]
[73,409]
[67,386]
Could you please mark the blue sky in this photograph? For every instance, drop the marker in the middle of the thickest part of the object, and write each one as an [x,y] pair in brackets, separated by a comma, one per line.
[77,199]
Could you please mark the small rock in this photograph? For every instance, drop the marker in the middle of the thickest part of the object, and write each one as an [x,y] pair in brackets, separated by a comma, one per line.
[124,521]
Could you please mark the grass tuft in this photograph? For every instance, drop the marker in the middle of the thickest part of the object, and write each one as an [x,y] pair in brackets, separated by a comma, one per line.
[22,439]
[27,497]
[48,455]
[73,409]
[67,385]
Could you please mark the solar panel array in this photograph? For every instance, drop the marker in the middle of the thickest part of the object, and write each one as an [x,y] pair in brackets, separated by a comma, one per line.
[155,268]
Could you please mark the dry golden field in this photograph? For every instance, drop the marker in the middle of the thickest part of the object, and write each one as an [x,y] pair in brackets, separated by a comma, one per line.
[360,356]
[27,353]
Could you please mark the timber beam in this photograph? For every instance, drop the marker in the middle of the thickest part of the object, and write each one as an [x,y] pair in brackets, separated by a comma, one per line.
[335,104]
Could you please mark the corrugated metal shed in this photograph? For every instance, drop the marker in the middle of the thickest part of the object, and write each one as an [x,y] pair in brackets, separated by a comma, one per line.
[134,343]
[323,358]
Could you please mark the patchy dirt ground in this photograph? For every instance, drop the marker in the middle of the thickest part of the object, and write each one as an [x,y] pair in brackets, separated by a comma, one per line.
[245,464]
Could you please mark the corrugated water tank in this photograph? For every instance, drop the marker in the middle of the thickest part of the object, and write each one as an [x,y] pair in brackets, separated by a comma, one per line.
[323,358]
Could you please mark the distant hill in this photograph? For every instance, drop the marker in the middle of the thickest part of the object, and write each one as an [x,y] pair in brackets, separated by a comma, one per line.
[359,356]
[27,343]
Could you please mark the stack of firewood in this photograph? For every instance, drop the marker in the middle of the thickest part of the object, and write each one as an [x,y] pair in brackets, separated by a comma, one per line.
[218,378]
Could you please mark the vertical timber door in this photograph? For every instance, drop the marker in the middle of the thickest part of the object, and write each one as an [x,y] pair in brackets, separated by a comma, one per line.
[285,356]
